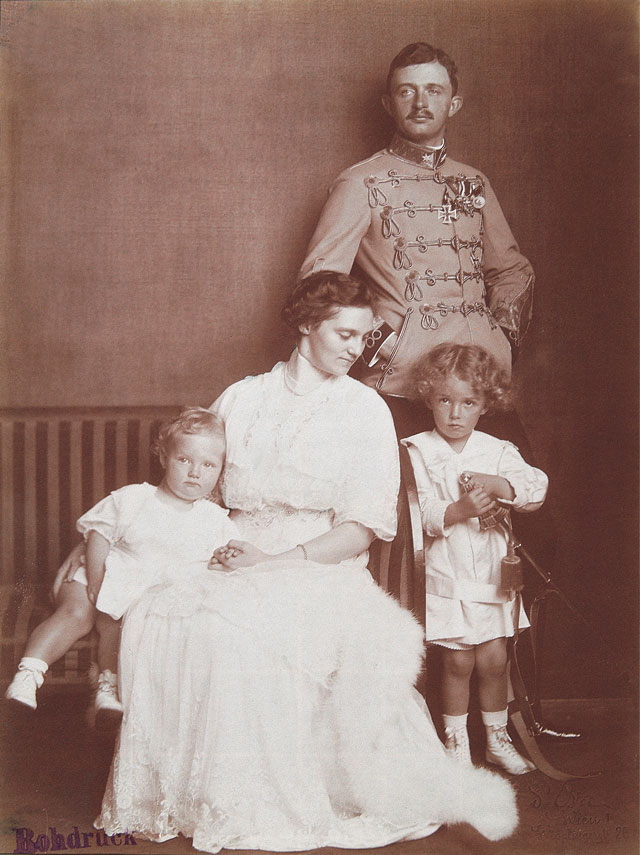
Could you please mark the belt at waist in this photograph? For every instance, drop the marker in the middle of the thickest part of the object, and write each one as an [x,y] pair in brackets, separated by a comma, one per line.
[474,592]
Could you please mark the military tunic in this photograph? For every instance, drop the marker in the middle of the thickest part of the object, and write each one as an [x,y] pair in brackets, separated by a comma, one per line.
[431,236]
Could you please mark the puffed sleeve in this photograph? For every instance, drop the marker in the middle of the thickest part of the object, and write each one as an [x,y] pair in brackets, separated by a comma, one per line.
[368,493]
[112,515]
[529,484]
[224,402]
[344,221]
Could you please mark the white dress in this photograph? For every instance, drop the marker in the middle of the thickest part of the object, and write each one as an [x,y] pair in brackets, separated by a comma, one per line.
[464,603]
[150,541]
[273,708]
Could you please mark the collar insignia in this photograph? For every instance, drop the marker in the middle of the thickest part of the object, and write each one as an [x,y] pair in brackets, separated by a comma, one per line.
[431,158]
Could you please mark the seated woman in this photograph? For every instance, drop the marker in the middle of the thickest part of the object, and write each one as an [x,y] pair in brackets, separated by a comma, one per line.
[269,701]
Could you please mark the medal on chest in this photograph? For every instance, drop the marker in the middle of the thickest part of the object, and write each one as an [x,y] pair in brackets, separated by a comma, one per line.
[462,195]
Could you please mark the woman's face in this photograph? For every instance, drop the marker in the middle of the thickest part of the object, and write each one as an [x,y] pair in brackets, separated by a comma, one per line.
[333,345]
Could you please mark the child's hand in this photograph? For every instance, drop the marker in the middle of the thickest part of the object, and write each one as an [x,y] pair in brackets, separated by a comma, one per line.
[494,485]
[471,504]
[236,554]
[93,589]
[68,569]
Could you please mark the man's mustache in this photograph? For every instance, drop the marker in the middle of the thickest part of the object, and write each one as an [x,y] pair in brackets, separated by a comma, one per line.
[420,114]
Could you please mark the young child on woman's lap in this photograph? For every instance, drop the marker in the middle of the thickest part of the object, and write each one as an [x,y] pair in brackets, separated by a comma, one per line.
[134,537]
[468,615]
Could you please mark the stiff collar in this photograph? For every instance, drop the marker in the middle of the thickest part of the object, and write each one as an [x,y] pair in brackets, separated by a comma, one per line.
[432,158]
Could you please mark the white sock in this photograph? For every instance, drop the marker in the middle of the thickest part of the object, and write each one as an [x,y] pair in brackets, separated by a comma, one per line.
[455,722]
[30,663]
[495,719]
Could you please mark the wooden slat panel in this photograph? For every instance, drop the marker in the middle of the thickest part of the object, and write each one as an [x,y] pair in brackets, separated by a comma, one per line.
[75,470]
[121,452]
[30,509]
[50,444]
[6,473]
[144,441]
[98,461]
[53,494]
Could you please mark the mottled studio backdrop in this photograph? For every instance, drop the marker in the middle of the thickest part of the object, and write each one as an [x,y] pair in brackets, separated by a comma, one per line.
[164,163]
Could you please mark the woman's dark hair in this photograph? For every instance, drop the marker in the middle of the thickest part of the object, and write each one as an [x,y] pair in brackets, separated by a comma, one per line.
[321,295]
[467,362]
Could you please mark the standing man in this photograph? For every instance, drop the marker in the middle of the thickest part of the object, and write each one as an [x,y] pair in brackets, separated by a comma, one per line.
[429,233]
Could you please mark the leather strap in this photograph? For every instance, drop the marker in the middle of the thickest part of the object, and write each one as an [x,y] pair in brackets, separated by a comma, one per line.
[523,719]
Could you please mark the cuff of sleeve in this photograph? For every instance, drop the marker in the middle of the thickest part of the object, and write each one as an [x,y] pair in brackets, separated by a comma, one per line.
[433,513]
[103,530]
[383,530]
[527,493]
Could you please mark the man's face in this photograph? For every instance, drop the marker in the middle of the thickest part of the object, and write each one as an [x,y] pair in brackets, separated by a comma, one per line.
[420,101]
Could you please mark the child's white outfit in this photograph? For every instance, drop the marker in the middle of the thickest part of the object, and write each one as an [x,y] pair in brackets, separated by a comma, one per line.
[465,605]
[151,542]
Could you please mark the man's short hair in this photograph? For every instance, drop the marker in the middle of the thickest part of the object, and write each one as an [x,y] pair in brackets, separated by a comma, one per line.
[418,53]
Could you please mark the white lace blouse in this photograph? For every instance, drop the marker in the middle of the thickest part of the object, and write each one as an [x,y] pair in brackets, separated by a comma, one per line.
[326,446]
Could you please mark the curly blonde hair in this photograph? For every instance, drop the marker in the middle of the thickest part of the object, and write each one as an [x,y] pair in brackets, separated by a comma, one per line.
[469,363]
[191,420]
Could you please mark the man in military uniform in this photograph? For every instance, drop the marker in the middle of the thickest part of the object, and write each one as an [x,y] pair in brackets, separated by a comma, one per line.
[429,234]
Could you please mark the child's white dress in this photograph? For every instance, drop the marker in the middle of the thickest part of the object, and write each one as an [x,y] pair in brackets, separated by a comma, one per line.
[464,604]
[151,542]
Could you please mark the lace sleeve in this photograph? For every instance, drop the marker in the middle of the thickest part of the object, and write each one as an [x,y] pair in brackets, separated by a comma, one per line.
[369,491]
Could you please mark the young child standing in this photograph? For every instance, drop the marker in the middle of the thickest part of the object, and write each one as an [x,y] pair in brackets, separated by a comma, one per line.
[468,615]
[134,538]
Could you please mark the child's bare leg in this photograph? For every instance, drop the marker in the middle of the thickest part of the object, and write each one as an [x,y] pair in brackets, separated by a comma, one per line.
[491,668]
[108,642]
[491,664]
[457,667]
[73,618]
[106,710]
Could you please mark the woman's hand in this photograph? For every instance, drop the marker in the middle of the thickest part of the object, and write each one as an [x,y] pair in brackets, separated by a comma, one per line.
[68,570]
[237,554]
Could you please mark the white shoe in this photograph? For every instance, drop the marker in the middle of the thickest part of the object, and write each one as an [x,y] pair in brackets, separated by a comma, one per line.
[107,709]
[23,687]
[502,752]
[456,745]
